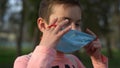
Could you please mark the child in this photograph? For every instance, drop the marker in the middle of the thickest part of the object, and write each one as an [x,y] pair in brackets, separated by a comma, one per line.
[56,18]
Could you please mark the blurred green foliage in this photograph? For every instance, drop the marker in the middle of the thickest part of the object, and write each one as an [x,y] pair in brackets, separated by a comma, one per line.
[8,55]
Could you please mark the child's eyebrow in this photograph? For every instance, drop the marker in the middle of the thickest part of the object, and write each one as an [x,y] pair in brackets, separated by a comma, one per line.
[79,20]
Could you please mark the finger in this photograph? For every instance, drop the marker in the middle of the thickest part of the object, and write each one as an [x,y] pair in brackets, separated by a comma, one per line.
[97,45]
[95,50]
[60,26]
[92,45]
[53,22]
[89,47]
[90,32]
[52,28]
[62,32]
[91,50]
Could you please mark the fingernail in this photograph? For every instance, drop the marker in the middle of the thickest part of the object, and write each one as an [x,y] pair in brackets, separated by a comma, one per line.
[66,20]
[56,17]
[87,29]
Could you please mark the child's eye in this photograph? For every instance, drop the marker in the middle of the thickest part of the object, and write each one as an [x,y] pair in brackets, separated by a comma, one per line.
[77,24]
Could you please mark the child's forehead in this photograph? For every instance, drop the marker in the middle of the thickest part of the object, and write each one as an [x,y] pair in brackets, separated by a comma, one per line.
[70,13]
[63,6]
[66,10]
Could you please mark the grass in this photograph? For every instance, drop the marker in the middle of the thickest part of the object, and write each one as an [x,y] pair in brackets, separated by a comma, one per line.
[115,61]
[8,55]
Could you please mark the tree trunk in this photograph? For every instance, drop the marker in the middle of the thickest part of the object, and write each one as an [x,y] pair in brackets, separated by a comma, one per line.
[116,7]
[117,13]
[2,11]
[109,50]
[119,34]
[107,35]
[20,35]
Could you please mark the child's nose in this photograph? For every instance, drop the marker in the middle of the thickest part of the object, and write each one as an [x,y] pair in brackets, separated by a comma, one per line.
[73,26]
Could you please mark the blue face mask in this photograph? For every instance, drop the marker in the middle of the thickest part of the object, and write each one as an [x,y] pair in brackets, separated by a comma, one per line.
[73,41]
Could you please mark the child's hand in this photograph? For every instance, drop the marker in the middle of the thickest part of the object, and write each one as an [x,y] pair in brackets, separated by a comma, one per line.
[93,49]
[53,33]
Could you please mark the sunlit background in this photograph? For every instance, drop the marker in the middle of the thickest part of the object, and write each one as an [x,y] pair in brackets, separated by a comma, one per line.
[19,34]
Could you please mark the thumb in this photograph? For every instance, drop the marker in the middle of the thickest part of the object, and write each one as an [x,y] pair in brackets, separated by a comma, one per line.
[90,32]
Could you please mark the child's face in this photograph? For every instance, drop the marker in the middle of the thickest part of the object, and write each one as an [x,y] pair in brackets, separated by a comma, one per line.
[72,13]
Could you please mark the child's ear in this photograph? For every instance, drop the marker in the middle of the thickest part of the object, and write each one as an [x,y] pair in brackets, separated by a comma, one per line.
[41,24]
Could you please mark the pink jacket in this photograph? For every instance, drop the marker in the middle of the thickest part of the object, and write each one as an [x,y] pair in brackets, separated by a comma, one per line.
[43,57]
